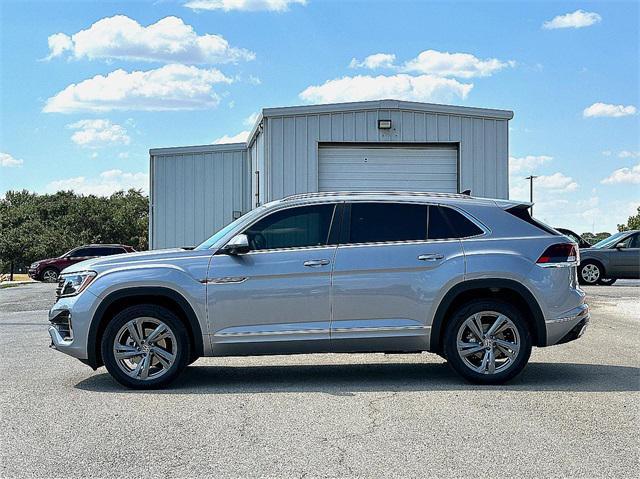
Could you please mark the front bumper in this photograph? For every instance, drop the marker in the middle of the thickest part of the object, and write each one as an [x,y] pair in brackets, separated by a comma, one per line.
[70,336]
[33,273]
[569,327]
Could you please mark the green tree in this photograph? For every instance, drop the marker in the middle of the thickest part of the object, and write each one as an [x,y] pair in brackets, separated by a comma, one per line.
[633,223]
[594,238]
[36,226]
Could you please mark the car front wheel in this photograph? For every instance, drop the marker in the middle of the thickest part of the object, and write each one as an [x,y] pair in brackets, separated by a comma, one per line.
[145,347]
[590,273]
[50,275]
[487,341]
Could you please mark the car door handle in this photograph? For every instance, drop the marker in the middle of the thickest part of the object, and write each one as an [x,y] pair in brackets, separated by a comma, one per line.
[314,263]
[430,257]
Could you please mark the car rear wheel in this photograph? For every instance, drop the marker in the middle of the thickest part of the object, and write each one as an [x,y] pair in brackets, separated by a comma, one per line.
[50,275]
[145,347]
[487,342]
[590,273]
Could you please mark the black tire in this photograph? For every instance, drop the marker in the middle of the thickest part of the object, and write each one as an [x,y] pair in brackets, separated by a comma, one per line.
[584,276]
[512,367]
[182,351]
[607,281]
[49,275]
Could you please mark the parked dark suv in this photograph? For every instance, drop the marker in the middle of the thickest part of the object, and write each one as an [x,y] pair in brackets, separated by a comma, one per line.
[47,270]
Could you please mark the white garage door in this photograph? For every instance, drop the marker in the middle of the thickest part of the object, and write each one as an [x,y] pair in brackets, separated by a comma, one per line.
[388,168]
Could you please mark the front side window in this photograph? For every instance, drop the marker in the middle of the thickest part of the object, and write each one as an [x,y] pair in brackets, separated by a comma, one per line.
[632,241]
[292,228]
[82,253]
[382,222]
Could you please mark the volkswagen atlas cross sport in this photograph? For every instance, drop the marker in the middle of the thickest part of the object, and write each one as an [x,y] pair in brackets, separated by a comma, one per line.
[477,281]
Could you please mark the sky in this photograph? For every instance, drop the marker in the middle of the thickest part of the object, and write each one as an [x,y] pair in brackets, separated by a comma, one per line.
[88,87]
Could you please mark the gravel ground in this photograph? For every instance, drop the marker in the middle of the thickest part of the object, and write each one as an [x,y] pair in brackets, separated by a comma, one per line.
[573,412]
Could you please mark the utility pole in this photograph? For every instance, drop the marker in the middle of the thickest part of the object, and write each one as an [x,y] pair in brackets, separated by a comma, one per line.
[531,178]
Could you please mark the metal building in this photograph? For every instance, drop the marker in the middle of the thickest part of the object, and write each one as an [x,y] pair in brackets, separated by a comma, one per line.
[372,145]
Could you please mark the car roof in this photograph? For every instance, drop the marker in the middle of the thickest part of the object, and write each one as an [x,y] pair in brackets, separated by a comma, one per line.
[400,196]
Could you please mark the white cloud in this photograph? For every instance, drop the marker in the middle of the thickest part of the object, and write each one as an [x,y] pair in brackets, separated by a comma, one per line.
[557,182]
[624,175]
[251,119]
[401,87]
[98,133]
[527,163]
[461,65]
[168,40]
[123,155]
[105,184]
[549,186]
[629,154]
[171,87]
[606,152]
[239,138]
[8,161]
[608,110]
[247,5]
[377,60]
[577,19]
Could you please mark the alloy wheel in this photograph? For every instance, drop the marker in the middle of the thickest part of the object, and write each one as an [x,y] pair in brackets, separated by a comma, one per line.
[590,273]
[49,276]
[145,348]
[488,342]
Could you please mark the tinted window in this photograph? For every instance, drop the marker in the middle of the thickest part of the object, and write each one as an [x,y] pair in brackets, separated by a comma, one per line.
[82,252]
[106,251]
[448,223]
[632,241]
[377,222]
[292,228]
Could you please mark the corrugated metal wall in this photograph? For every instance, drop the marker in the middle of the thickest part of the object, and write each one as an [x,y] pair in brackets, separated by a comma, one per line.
[292,145]
[194,192]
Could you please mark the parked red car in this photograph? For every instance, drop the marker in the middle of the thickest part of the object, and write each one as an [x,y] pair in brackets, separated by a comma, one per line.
[47,270]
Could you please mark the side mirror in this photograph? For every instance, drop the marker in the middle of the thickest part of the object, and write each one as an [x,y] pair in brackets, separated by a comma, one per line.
[239,244]
[621,246]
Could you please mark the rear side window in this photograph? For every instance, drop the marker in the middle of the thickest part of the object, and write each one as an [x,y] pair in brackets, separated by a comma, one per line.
[448,223]
[382,222]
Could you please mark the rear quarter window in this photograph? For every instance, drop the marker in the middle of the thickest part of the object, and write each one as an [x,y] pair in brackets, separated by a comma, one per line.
[445,223]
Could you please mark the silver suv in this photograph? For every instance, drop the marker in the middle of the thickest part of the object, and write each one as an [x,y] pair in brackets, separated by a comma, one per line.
[477,281]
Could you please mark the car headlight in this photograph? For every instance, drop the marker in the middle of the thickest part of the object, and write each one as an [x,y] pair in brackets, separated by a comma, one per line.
[75,283]
[34,265]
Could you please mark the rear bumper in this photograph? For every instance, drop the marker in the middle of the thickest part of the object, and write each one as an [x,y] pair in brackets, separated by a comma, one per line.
[569,327]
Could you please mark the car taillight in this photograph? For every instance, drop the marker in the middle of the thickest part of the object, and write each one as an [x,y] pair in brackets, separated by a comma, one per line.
[561,254]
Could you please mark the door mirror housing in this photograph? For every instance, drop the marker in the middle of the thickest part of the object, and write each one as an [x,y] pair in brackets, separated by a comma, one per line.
[239,244]
[621,245]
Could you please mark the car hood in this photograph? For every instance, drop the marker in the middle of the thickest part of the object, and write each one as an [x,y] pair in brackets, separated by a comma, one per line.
[162,256]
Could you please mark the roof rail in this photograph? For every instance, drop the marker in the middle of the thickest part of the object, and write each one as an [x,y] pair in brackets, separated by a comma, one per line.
[378,193]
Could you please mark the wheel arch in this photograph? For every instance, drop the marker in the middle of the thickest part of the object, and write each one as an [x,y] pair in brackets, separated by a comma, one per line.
[503,289]
[118,300]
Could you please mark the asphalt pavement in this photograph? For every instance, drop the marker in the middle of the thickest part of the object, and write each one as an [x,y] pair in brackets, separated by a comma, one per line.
[573,412]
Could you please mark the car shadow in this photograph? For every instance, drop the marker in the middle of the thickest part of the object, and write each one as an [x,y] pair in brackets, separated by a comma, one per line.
[347,379]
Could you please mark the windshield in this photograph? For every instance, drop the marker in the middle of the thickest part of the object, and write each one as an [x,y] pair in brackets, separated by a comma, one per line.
[224,231]
[611,240]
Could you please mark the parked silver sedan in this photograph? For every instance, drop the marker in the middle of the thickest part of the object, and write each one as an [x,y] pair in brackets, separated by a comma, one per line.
[615,257]
[475,280]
